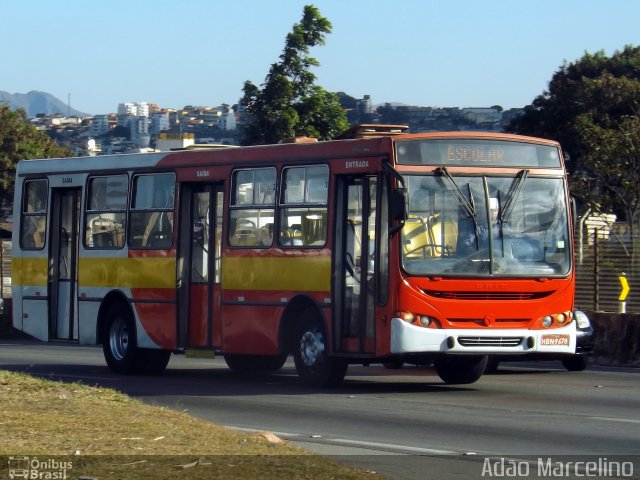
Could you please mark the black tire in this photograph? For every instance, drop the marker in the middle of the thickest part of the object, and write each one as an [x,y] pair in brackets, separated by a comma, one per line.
[492,364]
[255,363]
[273,363]
[576,363]
[460,370]
[151,361]
[393,364]
[120,347]
[315,368]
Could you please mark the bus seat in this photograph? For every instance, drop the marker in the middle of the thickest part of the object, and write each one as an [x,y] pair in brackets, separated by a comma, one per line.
[159,231]
[245,234]
[291,235]
[103,231]
[442,245]
[415,238]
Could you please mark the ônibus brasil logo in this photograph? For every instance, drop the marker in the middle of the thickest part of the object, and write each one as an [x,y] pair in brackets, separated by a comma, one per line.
[34,468]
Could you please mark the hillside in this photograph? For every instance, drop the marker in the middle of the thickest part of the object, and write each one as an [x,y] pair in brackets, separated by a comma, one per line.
[36,102]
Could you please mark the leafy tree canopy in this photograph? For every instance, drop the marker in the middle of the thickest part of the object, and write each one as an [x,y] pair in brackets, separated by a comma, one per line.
[592,107]
[289,103]
[20,140]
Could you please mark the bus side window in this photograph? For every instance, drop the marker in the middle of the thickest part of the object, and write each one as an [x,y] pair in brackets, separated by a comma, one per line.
[106,211]
[303,206]
[252,208]
[34,215]
[151,213]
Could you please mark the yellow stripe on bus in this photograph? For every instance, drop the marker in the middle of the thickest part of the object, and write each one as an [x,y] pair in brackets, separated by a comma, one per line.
[102,272]
[29,271]
[127,272]
[312,274]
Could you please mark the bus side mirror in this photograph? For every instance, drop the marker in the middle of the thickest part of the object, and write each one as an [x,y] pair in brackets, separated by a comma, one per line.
[398,204]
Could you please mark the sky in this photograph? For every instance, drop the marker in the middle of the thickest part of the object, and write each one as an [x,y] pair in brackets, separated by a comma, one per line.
[437,53]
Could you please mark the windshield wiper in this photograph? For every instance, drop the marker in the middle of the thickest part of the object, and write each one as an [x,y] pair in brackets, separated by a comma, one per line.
[468,205]
[511,196]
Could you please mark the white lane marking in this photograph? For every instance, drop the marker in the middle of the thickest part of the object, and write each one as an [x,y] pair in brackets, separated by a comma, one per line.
[612,419]
[297,437]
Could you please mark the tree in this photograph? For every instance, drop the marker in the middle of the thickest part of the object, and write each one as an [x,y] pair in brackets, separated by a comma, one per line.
[613,155]
[393,115]
[20,140]
[592,108]
[289,103]
[596,92]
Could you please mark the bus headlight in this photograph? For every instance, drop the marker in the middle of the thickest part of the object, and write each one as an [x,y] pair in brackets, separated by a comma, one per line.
[556,319]
[415,319]
[424,320]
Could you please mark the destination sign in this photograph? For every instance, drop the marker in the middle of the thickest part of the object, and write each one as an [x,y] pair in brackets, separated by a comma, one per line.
[476,152]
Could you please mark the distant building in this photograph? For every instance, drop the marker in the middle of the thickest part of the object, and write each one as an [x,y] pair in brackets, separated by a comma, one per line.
[134,109]
[131,109]
[99,125]
[227,120]
[159,122]
[482,116]
[364,105]
[139,127]
[173,141]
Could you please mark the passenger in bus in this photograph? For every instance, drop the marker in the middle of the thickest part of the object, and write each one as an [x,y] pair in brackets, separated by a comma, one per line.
[266,235]
[34,232]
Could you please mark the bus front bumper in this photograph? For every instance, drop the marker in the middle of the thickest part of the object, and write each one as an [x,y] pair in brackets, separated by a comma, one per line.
[407,338]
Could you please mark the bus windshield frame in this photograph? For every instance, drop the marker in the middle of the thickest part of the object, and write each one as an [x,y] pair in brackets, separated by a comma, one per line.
[486,226]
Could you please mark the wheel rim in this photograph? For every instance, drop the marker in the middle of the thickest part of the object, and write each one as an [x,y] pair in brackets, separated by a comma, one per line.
[311,348]
[119,338]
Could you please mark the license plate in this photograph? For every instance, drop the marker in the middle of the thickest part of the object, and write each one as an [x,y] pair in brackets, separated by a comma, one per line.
[555,340]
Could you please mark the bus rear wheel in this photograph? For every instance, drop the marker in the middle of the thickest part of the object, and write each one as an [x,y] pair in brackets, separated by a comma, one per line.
[315,368]
[120,347]
[460,370]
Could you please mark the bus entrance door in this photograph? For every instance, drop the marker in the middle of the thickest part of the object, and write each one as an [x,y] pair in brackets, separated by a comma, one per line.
[63,260]
[355,262]
[199,264]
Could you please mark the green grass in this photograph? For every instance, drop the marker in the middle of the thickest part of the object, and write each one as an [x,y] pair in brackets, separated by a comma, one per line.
[106,434]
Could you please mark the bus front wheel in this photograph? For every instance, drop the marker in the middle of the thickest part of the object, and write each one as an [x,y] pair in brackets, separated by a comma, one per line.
[315,368]
[460,370]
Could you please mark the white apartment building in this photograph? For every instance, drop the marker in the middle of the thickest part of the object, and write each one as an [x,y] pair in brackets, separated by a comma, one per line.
[134,109]
[227,120]
[131,109]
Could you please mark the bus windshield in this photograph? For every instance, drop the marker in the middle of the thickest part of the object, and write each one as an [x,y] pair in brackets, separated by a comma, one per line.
[486,226]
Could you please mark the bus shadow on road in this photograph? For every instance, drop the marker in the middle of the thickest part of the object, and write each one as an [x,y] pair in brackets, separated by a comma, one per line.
[220,381]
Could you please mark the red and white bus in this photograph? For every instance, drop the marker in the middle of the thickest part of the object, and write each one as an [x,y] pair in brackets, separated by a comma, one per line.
[388,247]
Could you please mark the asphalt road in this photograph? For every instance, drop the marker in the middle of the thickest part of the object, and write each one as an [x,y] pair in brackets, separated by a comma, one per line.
[404,424]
